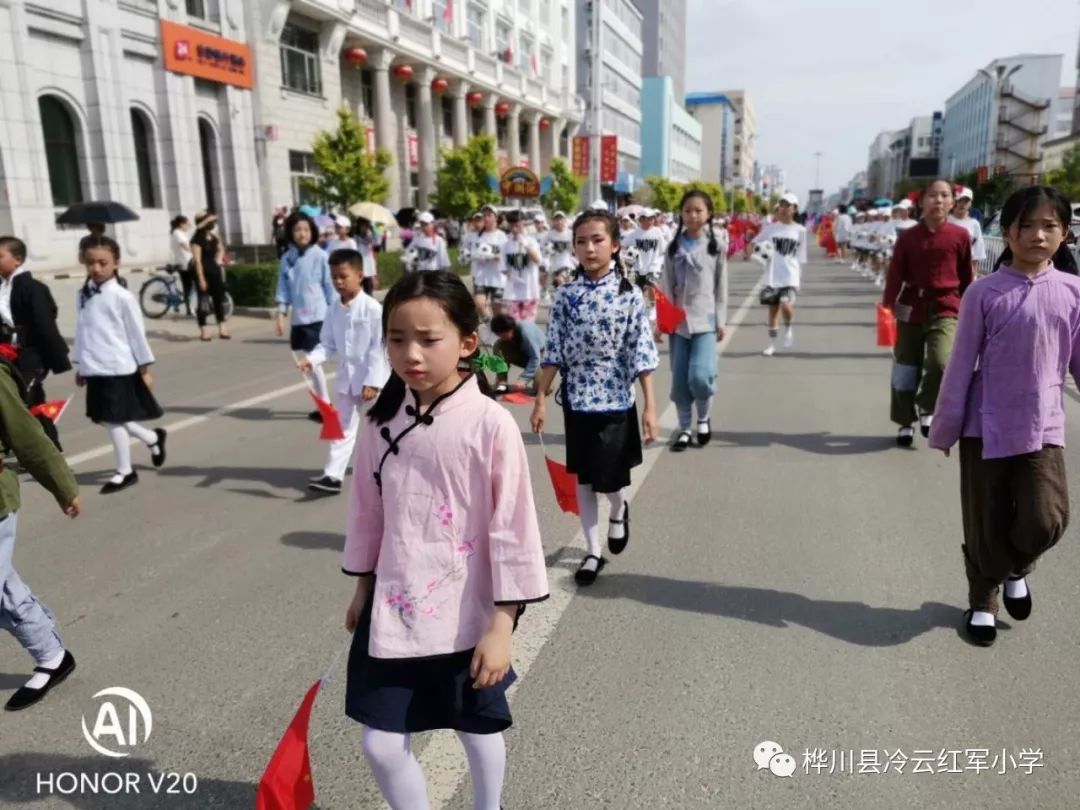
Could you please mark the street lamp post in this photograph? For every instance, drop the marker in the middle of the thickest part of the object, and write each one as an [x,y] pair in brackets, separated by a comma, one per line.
[817,169]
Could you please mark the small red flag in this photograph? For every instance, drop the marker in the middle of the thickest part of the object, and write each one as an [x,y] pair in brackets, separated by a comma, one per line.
[565,484]
[668,316]
[331,422]
[448,12]
[518,398]
[9,352]
[286,783]
[52,410]
[886,326]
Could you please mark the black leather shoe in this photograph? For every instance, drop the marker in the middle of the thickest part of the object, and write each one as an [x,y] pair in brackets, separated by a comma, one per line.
[905,437]
[326,484]
[981,634]
[157,452]
[25,697]
[682,441]
[616,545]
[130,480]
[315,416]
[704,437]
[583,576]
[1019,608]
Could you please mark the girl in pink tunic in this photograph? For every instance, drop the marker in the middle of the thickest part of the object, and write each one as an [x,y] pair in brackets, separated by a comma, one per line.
[443,537]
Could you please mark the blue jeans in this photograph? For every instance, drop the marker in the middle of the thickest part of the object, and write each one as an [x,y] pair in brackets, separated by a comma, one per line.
[693,375]
[21,614]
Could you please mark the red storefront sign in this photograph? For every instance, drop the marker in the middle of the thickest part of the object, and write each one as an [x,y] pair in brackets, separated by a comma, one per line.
[580,156]
[519,182]
[609,158]
[414,151]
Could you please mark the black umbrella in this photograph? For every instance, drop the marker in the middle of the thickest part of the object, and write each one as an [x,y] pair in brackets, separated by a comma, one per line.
[106,211]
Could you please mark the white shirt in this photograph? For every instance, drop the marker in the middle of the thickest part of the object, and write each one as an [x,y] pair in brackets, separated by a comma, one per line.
[650,245]
[626,238]
[843,228]
[489,273]
[972,226]
[431,252]
[789,254]
[5,297]
[180,248]
[110,340]
[522,273]
[561,244]
[353,332]
[340,244]
[901,225]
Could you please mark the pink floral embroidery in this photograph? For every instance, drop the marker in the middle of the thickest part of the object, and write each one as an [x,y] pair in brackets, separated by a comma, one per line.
[408,606]
[446,516]
[467,547]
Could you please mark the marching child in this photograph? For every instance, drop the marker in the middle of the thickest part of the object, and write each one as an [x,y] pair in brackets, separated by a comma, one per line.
[305,289]
[430,247]
[487,264]
[961,215]
[352,331]
[112,361]
[443,538]
[695,280]
[1002,399]
[784,275]
[521,255]
[559,244]
[600,342]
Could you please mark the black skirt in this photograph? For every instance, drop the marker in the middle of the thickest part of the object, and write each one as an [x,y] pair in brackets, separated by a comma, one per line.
[602,448]
[305,337]
[408,695]
[116,400]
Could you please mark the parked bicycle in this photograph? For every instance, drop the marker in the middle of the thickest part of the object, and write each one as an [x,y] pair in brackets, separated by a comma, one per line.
[163,293]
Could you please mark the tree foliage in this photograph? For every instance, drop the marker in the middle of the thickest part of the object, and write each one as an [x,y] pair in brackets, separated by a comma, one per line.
[347,174]
[663,193]
[461,181]
[1067,178]
[565,193]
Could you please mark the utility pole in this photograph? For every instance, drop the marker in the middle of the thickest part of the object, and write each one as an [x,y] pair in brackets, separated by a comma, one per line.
[817,169]
[592,187]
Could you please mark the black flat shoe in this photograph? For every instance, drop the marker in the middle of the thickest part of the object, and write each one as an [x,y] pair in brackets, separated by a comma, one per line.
[682,441]
[704,437]
[315,416]
[905,437]
[616,545]
[980,634]
[157,452]
[326,484]
[130,480]
[26,697]
[583,576]
[1018,608]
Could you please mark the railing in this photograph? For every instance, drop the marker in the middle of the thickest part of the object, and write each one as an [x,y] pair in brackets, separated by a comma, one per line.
[372,10]
[415,32]
[455,50]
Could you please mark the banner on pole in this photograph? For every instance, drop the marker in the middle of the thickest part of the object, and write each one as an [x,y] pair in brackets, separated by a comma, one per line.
[609,158]
[580,156]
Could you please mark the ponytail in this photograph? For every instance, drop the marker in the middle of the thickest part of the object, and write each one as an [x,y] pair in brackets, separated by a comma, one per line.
[624,283]
[389,400]
[673,247]
[714,248]
[1065,261]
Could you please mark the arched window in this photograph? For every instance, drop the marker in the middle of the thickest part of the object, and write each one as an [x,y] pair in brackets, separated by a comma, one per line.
[61,152]
[144,159]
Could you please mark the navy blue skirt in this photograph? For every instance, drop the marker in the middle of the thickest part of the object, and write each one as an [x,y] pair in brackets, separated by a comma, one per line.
[408,695]
[305,337]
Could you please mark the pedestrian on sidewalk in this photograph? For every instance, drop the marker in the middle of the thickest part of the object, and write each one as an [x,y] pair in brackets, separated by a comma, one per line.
[488,269]
[208,259]
[21,614]
[559,245]
[930,270]
[1002,400]
[342,240]
[112,361]
[352,331]
[443,537]
[599,341]
[784,274]
[522,257]
[430,247]
[181,262]
[305,292]
[367,242]
[843,233]
[28,322]
[695,280]
[961,215]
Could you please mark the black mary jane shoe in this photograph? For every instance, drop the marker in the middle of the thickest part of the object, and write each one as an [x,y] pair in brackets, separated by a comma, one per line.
[1018,608]
[130,480]
[315,416]
[584,576]
[25,697]
[905,437]
[157,452]
[682,441]
[704,436]
[616,545]
[980,634]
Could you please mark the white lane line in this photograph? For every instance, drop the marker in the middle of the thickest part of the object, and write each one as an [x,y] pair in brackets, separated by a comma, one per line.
[443,759]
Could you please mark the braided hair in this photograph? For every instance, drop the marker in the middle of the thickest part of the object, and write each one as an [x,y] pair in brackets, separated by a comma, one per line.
[695,193]
[612,228]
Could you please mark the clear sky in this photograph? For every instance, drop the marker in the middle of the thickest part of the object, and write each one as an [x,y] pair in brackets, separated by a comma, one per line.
[828,75]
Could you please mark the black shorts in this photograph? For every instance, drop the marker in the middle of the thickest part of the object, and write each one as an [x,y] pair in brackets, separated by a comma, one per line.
[491,293]
[304,337]
[773,296]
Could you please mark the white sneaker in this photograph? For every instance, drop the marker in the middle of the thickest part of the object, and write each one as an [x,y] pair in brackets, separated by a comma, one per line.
[769,351]
[789,338]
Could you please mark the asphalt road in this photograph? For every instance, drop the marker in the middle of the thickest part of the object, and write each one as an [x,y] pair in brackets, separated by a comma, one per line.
[797,581]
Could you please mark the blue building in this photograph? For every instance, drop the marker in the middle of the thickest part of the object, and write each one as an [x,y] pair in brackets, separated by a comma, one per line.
[716,114]
[670,136]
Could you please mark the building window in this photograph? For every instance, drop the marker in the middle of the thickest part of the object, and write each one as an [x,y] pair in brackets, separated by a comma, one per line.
[61,152]
[502,42]
[565,25]
[410,105]
[501,128]
[208,151]
[300,60]
[475,17]
[525,53]
[525,7]
[478,125]
[144,159]
[367,92]
[545,13]
[439,14]
[546,73]
[203,9]
[447,115]
[404,5]
[301,166]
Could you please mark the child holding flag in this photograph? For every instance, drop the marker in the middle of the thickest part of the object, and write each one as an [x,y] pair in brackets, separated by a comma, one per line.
[352,331]
[600,341]
[443,537]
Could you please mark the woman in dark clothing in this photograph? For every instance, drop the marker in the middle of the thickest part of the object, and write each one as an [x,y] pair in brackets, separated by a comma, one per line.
[207,255]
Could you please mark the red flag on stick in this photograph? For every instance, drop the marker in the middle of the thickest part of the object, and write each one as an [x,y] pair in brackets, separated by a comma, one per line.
[886,326]
[668,316]
[331,422]
[287,784]
[563,482]
[51,410]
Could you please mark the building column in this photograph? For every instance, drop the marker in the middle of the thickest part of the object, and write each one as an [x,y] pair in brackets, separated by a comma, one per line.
[384,119]
[555,135]
[534,142]
[513,127]
[425,131]
[491,126]
[461,114]
[572,133]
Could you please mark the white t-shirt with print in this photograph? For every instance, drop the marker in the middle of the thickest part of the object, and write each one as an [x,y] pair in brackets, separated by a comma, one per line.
[789,254]
[562,249]
[489,272]
[650,245]
[431,253]
[522,273]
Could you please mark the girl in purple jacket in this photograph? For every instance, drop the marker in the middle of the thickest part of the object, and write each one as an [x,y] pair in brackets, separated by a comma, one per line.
[1002,399]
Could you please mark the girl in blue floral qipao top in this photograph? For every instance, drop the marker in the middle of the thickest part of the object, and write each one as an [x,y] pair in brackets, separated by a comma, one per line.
[600,340]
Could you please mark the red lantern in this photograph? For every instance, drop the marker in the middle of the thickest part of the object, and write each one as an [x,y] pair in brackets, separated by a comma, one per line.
[356,56]
[545,123]
[475,98]
[502,109]
[403,72]
[440,85]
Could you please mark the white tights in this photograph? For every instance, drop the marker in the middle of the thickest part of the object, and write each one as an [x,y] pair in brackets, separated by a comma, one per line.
[119,434]
[589,507]
[401,781]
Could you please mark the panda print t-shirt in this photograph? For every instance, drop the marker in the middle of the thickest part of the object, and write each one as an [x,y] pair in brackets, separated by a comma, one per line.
[789,254]
[650,245]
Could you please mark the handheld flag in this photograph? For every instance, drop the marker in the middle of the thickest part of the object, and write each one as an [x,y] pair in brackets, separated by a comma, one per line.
[9,352]
[563,482]
[518,398]
[668,316]
[886,326]
[492,363]
[51,410]
[286,783]
[331,422]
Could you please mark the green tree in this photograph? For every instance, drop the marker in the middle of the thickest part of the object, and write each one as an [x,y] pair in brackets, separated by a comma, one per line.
[664,193]
[565,193]
[347,173]
[714,190]
[905,186]
[1067,178]
[461,182]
